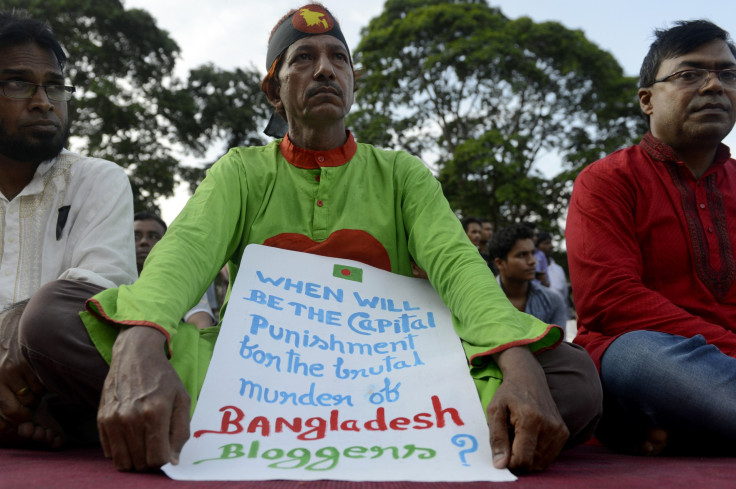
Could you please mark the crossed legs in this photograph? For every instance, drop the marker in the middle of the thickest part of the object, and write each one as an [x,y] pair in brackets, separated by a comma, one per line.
[661,389]
[48,353]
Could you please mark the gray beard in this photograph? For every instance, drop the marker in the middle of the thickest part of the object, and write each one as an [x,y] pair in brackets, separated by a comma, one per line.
[34,152]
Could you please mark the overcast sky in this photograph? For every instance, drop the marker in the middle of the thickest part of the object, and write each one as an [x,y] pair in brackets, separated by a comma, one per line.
[234,33]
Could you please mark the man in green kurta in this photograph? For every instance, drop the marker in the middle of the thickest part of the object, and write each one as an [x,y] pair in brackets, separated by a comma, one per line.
[317,190]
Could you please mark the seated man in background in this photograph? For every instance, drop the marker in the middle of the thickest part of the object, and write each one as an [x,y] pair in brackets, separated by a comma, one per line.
[555,273]
[650,240]
[66,222]
[149,229]
[512,250]
[471,226]
[474,230]
[486,232]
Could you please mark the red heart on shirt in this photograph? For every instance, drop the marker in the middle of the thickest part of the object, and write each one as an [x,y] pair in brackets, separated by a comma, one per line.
[351,244]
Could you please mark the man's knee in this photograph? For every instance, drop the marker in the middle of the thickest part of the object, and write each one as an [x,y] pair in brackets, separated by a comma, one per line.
[671,381]
[52,314]
[640,360]
[56,345]
[576,388]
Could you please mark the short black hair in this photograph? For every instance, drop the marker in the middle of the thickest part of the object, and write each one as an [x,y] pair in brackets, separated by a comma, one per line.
[683,38]
[468,221]
[17,28]
[149,216]
[505,238]
[543,236]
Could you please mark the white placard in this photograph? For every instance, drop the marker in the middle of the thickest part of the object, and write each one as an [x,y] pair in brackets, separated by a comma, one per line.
[331,369]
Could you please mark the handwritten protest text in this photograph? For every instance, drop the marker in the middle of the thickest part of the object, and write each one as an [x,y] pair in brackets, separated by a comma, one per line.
[316,428]
[325,458]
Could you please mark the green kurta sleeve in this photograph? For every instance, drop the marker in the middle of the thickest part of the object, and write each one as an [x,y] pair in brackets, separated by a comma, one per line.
[485,320]
[207,234]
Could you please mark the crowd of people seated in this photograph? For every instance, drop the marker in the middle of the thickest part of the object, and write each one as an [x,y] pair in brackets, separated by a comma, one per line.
[96,344]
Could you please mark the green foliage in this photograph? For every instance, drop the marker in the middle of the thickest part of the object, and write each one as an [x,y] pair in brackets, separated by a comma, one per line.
[484,98]
[129,107]
[224,106]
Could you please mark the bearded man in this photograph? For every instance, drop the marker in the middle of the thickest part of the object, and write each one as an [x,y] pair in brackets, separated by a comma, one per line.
[66,220]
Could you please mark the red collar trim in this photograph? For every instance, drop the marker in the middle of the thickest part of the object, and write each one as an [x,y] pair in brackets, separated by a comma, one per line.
[660,151]
[310,160]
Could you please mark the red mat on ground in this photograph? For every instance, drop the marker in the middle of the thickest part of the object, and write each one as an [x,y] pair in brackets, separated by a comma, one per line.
[584,467]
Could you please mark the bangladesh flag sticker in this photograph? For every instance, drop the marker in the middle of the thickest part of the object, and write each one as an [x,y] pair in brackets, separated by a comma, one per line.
[348,273]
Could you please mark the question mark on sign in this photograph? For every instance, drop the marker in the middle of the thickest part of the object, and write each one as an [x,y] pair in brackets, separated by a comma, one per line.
[463,440]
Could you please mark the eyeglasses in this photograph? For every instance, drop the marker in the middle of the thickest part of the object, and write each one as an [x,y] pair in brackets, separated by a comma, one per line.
[20,90]
[697,77]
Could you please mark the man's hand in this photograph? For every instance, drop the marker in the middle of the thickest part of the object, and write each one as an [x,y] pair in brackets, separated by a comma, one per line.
[201,320]
[527,431]
[144,410]
[20,390]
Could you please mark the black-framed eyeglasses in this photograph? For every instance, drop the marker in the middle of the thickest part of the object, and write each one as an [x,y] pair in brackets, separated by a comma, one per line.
[20,90]
[697,77]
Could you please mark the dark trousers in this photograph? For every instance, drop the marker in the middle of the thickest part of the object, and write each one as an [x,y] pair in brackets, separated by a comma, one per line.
[576,388]
[55,343]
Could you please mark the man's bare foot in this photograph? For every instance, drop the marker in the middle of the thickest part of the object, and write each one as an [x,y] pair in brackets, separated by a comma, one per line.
[655,440]
[42,431]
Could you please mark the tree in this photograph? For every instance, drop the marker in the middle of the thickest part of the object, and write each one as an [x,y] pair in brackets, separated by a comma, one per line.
[483,98]
[129,107]
[226,107]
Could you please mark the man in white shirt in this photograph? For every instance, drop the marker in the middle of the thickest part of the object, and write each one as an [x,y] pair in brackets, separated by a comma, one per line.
[149,229]
[555,273]
[63,217]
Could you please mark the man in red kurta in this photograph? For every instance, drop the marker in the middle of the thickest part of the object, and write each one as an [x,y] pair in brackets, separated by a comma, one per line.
[650,235]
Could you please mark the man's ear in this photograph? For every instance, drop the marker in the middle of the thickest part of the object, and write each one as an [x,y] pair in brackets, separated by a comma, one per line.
[645,100]
[498,263]
[273,94]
